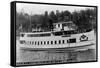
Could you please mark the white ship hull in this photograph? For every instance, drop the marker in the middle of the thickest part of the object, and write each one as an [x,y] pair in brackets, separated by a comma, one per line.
[66,47]
[77,45]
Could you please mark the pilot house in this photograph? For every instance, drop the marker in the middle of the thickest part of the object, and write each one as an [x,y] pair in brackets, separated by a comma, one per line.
[62,26]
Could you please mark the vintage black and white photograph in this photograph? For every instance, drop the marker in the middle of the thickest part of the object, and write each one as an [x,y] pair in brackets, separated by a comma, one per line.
[53,34]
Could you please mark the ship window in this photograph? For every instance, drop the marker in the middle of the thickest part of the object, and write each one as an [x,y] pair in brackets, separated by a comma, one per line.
[72,40]
[30,42]
[38,35]
[58,33]
[41,42]
[35,42]
[47,42]
[58,25]
[47,34]
[38,42]
[51,42]
[22,41]
[88,30]
[22,35]
[70,32]
[44,42]
[63,41]
[67,41]
[55,42]
[59,41]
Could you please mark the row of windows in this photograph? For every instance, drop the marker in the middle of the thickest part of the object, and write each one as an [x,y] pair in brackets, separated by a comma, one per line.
[44,42]
[49,42]
[58,33]
[38,35]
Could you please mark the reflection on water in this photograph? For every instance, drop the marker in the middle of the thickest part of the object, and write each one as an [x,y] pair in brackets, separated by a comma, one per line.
[33,56]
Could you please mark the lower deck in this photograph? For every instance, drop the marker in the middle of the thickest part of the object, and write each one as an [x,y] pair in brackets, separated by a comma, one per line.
[64,47]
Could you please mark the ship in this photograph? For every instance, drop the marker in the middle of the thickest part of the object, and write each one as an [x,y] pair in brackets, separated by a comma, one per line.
[64,37]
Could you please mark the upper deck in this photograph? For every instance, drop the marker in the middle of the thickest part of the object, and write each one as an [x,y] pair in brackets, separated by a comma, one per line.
[59,29]
[53,33]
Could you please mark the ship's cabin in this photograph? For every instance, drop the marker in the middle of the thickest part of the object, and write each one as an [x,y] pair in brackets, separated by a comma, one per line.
[54,33]
[64,26]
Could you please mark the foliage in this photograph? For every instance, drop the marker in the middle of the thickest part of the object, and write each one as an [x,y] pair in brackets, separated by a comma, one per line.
[84,19]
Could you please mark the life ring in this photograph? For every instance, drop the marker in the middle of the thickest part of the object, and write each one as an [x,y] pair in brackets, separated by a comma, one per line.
[83,38]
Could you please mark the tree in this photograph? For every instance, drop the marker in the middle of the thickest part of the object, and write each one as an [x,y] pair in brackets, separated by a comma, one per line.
[82,19]
[57,15]
[67,15]
[61,17]
[53,17]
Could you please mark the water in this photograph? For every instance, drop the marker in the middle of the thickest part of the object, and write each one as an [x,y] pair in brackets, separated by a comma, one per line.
[66,56]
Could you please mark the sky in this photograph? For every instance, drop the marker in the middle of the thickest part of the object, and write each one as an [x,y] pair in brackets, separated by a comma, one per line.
[41,8]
